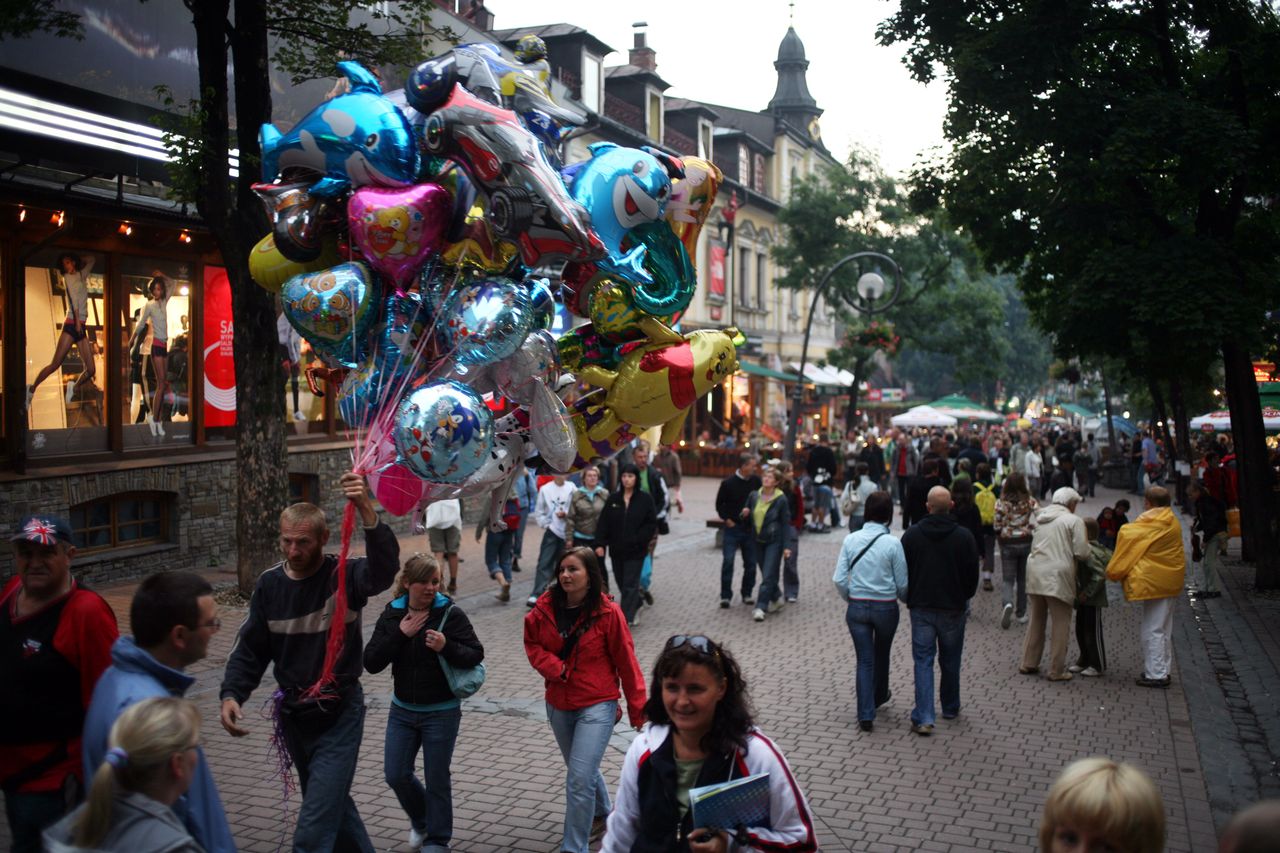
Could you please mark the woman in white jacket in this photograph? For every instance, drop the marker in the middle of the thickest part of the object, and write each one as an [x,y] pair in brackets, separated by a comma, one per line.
[1057,541]
[700,733]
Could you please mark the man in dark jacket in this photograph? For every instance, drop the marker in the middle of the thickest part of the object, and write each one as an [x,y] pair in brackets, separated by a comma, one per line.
[731,500]
[1211,524]
[942,575]
[821,467]
[873,456]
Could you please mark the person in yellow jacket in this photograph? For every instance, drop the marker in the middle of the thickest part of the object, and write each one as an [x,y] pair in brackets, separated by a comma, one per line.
[1151,561]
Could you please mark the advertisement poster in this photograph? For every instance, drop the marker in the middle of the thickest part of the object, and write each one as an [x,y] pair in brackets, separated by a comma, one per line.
[717,254]
[219,359]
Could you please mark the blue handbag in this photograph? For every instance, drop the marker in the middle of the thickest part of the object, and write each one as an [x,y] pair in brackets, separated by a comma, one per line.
[464,681]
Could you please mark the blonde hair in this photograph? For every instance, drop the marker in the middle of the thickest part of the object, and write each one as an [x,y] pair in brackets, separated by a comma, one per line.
[305,513]
[1112,798]
[420,568]
[141,743]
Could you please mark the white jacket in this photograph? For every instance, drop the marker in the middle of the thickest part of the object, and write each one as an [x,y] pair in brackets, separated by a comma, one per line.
[788,810]
[553,500]
[1057,540]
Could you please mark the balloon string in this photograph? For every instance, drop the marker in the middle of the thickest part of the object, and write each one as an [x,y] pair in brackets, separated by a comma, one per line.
[326,685]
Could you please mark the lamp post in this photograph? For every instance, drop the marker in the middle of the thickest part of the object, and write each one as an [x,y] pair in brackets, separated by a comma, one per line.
[871,299]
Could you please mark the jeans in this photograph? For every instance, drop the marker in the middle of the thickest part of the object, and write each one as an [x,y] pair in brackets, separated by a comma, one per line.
[770,570]
[498,548]
[790,567]
[30,815]
[988,545]
[738,537]
[324,748]
[939,632]
[583,736]
[872,625]
[1157,637]
[626,573]
[430,806]
[1013,570]
[548,554]
[856,522]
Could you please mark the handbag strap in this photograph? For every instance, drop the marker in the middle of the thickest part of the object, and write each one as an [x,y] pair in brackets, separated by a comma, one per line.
[440,628]
[864,551]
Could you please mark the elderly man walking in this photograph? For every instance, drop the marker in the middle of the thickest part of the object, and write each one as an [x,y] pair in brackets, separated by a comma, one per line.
[1149,558]
[1058,539]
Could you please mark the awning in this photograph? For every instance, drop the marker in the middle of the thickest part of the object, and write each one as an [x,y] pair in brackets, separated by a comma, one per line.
[760,370]
[962,408]
[924,416]
[1079,411]
[1221,421]
[826,375]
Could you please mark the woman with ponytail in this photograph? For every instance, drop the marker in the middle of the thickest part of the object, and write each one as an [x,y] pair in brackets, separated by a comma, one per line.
[150,764]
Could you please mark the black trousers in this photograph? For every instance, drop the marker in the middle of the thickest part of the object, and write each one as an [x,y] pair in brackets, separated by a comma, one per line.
[1093,652]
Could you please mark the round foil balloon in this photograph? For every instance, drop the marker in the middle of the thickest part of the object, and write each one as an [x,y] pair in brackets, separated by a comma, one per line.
[334,309]
[485,320]
[398,229]
[443,432]
[537,362]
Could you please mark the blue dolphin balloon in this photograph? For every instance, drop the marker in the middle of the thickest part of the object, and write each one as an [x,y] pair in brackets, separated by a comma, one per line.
[354,140]
[623,188]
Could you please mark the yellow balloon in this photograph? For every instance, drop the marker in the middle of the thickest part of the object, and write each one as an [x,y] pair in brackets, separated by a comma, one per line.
[271,270]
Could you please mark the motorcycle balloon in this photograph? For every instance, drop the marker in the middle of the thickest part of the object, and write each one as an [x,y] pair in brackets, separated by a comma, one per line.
[299,220]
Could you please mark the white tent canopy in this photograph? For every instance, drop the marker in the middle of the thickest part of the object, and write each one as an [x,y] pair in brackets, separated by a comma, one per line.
[1221,421]
[923,416]
[824,375]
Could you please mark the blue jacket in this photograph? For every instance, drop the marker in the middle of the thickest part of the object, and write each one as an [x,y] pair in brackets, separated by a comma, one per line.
[135,675]
[526,492]
[881,574]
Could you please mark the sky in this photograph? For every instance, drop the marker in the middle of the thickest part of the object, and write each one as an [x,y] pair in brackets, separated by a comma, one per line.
[723,52]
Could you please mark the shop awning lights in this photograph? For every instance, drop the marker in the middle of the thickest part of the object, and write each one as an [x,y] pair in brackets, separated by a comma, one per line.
[22,217]
[125,228]
[58,218]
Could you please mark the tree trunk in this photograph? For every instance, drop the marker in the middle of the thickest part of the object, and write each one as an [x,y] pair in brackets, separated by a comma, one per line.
[1162,417]
[1182,434]
[1257,508]
[1111,429]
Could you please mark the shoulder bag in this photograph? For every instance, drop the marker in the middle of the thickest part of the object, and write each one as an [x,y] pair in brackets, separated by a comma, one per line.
[463,681]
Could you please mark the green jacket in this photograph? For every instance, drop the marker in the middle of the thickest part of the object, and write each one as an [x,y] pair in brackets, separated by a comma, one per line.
[1091,576]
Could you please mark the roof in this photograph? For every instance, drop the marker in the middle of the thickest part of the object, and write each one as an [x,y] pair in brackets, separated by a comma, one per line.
[555,31]
[625,72]
[683,105]
[758,124]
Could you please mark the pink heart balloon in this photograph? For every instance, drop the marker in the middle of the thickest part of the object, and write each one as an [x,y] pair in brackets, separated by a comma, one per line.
[398,229]
[397,489]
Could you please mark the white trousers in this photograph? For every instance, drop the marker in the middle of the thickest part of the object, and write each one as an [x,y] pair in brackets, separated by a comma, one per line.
[1157,637]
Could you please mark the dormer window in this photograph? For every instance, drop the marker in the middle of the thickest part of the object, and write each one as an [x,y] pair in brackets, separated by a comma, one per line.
[705,132]
[757,182]
[744,165]
[592,82]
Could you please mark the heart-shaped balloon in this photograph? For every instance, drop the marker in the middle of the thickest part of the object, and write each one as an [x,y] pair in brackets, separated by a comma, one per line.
[334,309]
[397,230]
[485,320]
[397,489]
[299,219]
[443,432]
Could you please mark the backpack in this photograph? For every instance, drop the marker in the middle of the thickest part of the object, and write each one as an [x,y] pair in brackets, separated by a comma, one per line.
[985,499]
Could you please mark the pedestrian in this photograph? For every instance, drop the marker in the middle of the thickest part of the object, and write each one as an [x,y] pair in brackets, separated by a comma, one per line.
[288,626]
[854,495]
[1252,830]
[444,535]
[731,499]
[57,637]
[871,575]
[917,506]
[1034,463]
[769,513]
[965,511]
[1015,513]
[500,540]
[821,466]
[577,639]
[627,524]
[667,461]
[985,494]
[551,509]
[873,456]
[173,617]
[1100,804]
[1095,462]
[1149,558]
[526,494]
[1107,527]
[651,482]
[420,630]
[150,764]
[1018,456]
[584,511]
[701,733]
[1091,598]
[1058,539]
[904,462]
[942,575]
[1211,526]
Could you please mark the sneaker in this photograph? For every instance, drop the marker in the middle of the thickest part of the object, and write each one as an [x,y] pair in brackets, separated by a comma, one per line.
[1090,672]
[635,620]
[71,390]
[299,416]
[725,603]
[748,598]
[1066,676]
[791,599]
[757,615]
[1006,616]
[1024,619]
[1075,667]
[887,697]
[1143,681]
[647,597]
[531,601]
[775,605]
[416,838]
[923,730]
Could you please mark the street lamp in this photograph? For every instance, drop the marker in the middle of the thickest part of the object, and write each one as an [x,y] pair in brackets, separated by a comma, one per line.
[871,299]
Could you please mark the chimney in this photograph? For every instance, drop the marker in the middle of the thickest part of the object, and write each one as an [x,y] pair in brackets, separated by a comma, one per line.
[640,55]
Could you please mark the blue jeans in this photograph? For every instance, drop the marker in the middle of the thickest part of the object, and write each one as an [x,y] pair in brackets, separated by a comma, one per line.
[498,548]
[872,625]
[518,547]
[548,554]
[583,736]
[430,806]
[30,815]
[790,567]
[770,570]
[738,537]
[939,632]
[856,522]
[324,748]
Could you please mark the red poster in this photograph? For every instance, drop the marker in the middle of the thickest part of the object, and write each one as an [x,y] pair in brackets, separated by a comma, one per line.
[219,359]
[717,271]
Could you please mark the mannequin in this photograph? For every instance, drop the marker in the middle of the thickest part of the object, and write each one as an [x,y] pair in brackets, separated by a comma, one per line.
[75,275]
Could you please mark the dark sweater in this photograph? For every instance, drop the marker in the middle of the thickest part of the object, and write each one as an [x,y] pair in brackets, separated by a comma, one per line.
[942,564]
[416,673]
[1211,516]
[733,494]
[288,621]
[626,529]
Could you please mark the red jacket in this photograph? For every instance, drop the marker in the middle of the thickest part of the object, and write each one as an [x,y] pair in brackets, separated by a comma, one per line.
[603,657]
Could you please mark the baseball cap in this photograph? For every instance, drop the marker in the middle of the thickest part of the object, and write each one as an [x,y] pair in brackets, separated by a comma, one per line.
[43,530]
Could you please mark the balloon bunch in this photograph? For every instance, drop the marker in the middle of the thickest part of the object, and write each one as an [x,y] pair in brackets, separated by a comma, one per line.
[422,241]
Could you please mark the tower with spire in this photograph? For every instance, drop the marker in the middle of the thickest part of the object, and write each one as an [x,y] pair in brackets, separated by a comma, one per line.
[791,101]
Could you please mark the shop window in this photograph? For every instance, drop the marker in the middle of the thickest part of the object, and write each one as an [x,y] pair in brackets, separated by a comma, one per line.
[66,311]
[304,488]
[155,339]
[122,521]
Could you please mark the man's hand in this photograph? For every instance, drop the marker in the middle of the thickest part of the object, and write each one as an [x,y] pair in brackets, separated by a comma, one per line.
[231,716]
[353,489]
[728,522]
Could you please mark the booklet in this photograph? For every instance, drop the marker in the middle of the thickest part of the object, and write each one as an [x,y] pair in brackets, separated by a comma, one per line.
[729,805]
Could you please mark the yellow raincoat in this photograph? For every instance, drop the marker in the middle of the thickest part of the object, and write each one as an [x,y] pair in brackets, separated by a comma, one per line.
[1149,556]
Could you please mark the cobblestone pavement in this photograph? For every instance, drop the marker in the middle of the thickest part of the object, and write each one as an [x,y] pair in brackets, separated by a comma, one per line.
[977,784]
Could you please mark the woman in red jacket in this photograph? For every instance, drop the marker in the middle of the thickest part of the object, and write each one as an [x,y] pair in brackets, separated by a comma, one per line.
[577,638]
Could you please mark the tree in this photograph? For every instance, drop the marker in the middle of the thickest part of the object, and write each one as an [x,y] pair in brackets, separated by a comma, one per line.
[1119,159]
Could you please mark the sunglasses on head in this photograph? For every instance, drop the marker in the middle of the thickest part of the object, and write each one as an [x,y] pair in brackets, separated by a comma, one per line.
[697,642]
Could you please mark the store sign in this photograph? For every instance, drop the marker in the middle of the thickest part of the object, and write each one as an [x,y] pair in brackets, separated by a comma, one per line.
[219,355]
[717,271]
[886,395]
[1263,370]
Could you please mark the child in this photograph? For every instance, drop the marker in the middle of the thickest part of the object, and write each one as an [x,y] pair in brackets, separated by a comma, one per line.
[1091,581]
[1097,803]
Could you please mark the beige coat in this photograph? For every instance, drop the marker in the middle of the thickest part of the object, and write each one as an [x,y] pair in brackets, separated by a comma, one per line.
[1057,541]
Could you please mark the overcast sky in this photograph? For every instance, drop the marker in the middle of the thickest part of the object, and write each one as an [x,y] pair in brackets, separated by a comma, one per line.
[723,52]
